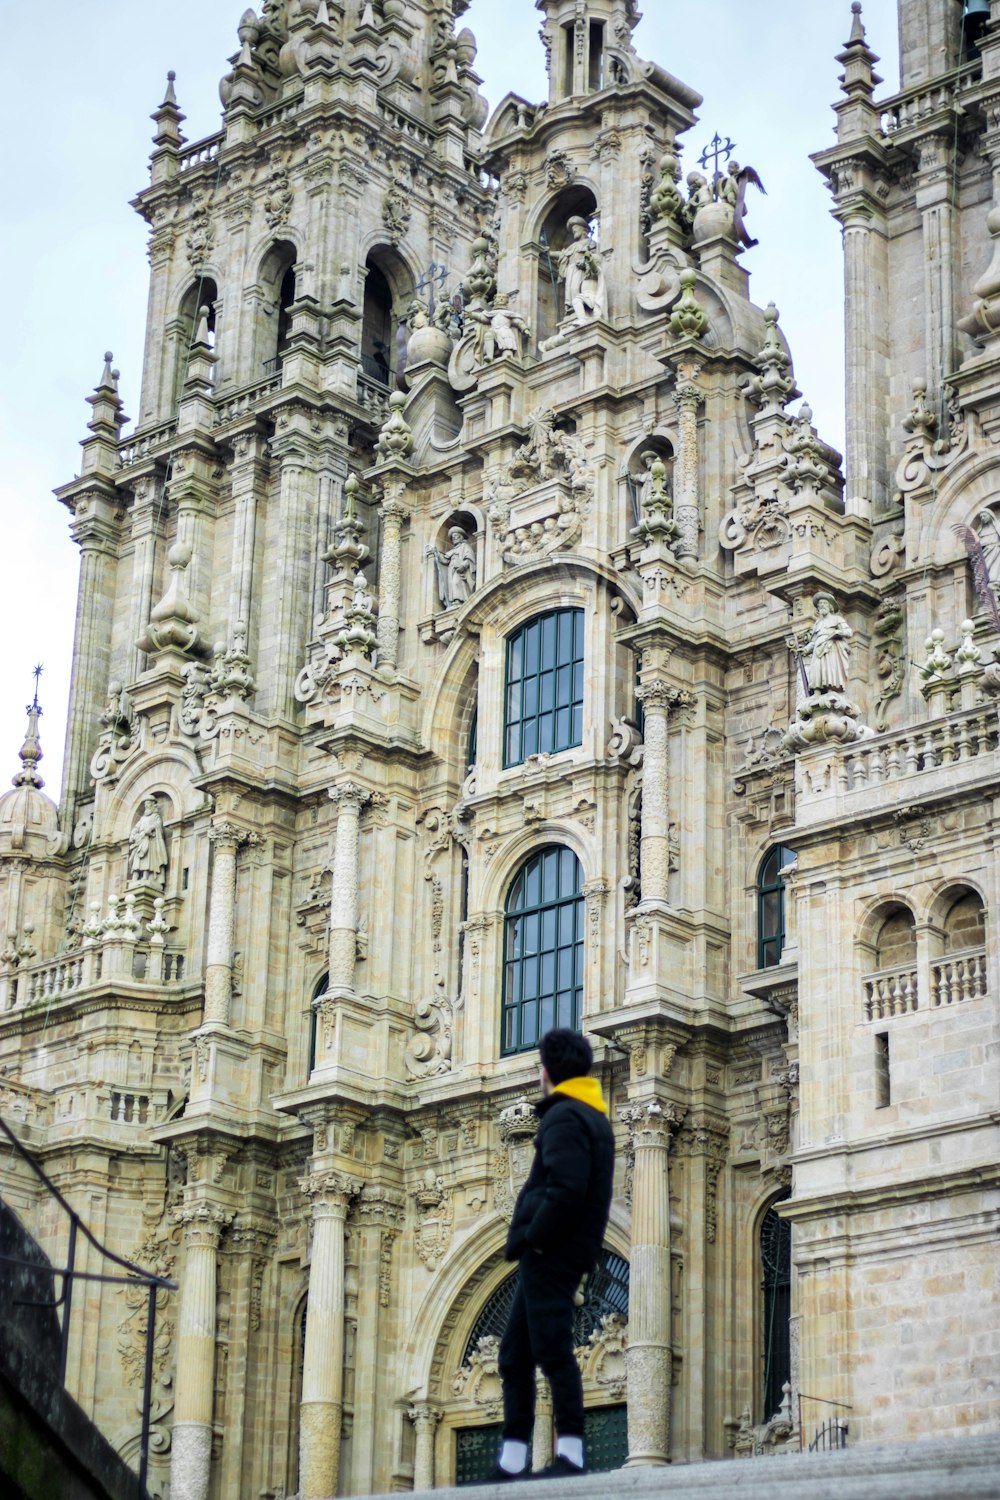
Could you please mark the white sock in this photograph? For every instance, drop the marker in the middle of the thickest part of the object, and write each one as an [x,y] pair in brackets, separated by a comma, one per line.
[514,1456]
[571,1449]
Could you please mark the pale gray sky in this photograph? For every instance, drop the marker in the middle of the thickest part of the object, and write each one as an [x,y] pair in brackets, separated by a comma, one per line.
[82,78]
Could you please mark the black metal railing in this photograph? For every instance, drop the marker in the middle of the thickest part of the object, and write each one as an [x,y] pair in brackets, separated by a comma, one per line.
[69,1274]
[832,1435]
[271,366]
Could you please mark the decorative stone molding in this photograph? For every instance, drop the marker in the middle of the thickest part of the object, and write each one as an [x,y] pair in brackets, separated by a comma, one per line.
[478,1380]
[428,1052]
[433,1231]
[517,1125]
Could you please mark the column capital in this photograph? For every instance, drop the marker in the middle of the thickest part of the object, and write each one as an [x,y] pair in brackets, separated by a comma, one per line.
[202,1221]
[651,1124]
[350,793]
[657,693]
[331,1193]
[224,833]
[424,1415]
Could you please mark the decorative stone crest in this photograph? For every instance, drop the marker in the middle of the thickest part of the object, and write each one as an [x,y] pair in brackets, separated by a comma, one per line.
[518,1125]
[553,467]
[432,1235]
[479,1379]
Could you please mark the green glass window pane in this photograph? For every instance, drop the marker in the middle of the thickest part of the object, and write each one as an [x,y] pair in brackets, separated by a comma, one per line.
[547,982]
[548,639]
[550,885]
[515,938]
[532,883]
[564,685]
[531,645]
[567,925]
[549,928]
[569,883]
[529,740]
[513,755]
[529,979]
[577,724]
[546,696]
[529,698]
[563,734]
[548,1015]
[531,932]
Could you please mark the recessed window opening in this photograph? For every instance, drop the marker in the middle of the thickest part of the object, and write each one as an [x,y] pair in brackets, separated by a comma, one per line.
[595,73]
[883,1085]
[376,328]
[776,1279]
[543,949]
[286,296]
[544,678]
[568,60]
[322,985]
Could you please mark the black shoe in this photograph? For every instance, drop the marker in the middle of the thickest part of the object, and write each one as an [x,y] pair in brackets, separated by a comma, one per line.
[500,1476]
[559,1468]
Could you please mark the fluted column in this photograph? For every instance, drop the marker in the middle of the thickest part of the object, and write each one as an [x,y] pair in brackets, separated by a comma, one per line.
[96,537]
[350,799]
[393,514]
[221,923]
[656,698]
[192,1435]
[687,508]
[425,1419]
[321,1411]
[648,1358]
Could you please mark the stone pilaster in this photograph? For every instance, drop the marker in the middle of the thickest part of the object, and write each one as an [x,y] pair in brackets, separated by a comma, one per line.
[393,514]
[247,478]
[687,505]
[425,1419]
[226,838]
[95,533]
[350,799]
[649,1356]
[321,1411]
[190,1467]
[657,697]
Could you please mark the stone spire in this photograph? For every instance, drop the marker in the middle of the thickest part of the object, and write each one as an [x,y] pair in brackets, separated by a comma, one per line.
[856,113]
[168,118]
[30,752]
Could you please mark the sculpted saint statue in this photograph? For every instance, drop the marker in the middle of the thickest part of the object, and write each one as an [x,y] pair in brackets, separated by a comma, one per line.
[828,663]
[456,568]
[147,847]
[581,268]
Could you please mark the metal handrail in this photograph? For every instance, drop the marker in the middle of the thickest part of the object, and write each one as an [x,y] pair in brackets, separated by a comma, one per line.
[69,1274]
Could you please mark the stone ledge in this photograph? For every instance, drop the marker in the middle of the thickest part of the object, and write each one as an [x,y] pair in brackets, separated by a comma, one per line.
[925,1469]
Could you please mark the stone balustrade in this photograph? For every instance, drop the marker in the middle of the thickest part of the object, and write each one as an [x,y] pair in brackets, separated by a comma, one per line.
[890,992]
[830,780]
[958,976]
[33,984]
[374,398]
[922,103]
[142,445]
[246,401]
[200,152]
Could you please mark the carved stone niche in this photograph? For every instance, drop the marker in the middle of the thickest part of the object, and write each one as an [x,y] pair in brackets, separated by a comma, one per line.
[455,565]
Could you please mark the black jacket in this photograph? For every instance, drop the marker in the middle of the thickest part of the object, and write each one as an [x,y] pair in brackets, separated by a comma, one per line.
[564,1205]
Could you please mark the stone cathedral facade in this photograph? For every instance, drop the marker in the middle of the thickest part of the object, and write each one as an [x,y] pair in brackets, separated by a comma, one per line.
[476,634]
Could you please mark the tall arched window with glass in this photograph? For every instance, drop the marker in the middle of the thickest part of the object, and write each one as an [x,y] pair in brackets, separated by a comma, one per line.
[543,949]
[771,905]
[319,989]
[776,1289]
[544,686]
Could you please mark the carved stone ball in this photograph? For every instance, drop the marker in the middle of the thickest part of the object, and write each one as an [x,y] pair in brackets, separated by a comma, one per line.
[179,555]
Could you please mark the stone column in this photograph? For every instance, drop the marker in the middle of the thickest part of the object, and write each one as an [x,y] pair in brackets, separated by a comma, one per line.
[648,1358]
[687,510]
[425,1419]
[656,698]
[249,469]
[350,799]
[865,281]
[541,1437]
[143,533]
[393,514]
[190,1465]
[221,921]
[97,538]
[323,1357]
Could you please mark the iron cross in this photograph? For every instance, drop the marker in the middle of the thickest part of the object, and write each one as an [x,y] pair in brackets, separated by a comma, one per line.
[434,277]
[717,150]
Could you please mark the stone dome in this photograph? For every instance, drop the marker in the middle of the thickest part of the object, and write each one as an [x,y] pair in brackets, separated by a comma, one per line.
[29,820]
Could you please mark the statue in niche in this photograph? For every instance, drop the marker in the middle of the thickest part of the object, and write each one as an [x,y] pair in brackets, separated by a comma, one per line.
[581,268]
[828,654]
[147,847]
[456,568]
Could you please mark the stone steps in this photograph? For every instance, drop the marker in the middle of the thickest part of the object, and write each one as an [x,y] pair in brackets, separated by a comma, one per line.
[925,1469]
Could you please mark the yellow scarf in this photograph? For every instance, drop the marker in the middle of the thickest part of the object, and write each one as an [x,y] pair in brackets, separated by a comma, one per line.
[586,1090]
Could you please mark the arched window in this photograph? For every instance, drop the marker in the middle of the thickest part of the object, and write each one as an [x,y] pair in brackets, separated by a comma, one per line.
[776,1308]
[377,351]
[277,278]
[606,1293]
[203,293]
[286,296]
[896,944]
[543,949]
[322,985]
[771,905]
[544,686]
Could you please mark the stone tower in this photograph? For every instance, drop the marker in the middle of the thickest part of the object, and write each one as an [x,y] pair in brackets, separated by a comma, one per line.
[470,640]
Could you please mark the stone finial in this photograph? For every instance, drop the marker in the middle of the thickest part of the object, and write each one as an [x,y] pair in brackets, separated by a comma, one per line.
[688,320]
[938,668]
[168,118]
[30,752]
[967,660]
[857,25]
[921,420]
[173,623]
[774,387]
[395,441]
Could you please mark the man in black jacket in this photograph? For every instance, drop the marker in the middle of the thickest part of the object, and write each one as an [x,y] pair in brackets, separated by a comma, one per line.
[556,1233]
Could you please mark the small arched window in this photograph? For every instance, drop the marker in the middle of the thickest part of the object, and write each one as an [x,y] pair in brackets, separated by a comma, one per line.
[776,1309]
[286,296]
[544,686]
[543,949]
[896,944]
[274,312]
[771,905]
[965,924]
[322,985]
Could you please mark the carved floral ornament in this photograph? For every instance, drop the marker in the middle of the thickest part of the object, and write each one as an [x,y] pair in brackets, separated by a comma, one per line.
[538,500]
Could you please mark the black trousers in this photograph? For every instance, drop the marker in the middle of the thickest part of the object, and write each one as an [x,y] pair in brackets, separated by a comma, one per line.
[540,1332]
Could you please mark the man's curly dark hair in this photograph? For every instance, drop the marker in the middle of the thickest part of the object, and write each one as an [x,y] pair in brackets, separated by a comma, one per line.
[565,1054]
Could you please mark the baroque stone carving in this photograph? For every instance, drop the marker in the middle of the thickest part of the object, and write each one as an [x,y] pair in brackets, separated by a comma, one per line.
[455,569]
[517,1125]
[147,847]
[428,1051]
[825,712]
[432,1235]
[553,466]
